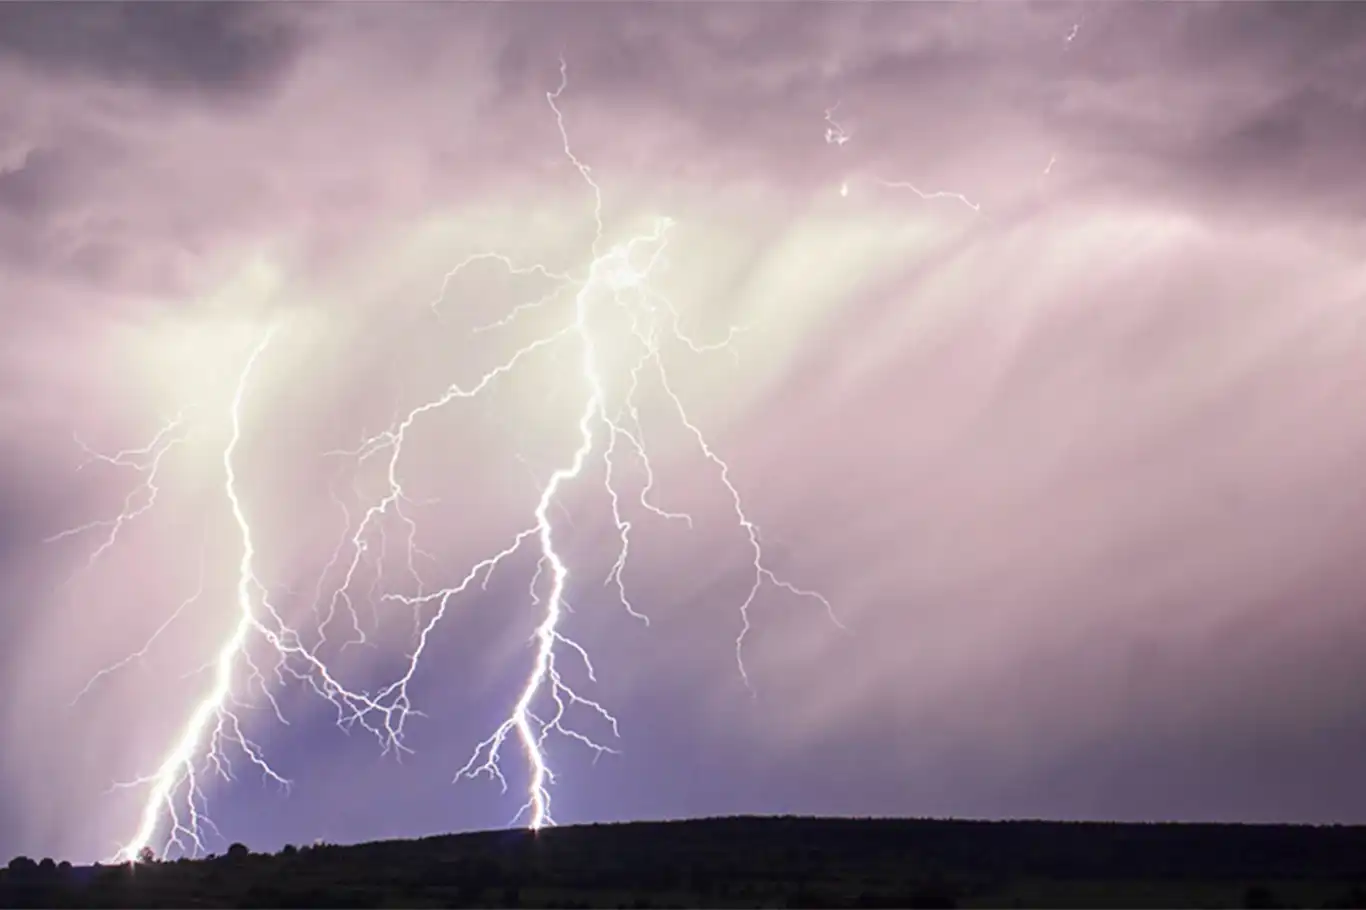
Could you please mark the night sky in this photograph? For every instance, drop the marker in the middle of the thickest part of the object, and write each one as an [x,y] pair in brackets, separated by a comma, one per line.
[1030,336]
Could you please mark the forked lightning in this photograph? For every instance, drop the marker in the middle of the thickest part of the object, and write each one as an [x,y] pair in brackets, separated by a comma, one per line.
[174,819]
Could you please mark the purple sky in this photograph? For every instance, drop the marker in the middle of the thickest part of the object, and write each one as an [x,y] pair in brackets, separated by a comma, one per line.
[1074,450]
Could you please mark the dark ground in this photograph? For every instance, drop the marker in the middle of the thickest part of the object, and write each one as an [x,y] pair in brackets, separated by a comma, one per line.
[753,862]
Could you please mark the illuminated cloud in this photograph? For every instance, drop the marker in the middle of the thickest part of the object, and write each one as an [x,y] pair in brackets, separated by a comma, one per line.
[1077,469]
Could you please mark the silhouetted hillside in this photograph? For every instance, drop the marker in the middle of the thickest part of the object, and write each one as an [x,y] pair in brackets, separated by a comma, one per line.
[753,862]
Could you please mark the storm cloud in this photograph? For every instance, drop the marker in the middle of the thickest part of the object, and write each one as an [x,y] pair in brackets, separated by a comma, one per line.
[1077,464]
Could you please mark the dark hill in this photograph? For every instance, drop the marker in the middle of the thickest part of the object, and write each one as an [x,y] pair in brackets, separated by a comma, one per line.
[753,862]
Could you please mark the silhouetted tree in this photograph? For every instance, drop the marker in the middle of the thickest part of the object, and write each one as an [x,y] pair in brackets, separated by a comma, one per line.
[22,869]
[238,852]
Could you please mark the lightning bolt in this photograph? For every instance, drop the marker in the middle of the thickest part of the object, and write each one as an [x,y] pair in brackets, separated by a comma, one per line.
[617,276]
[931,196]
[175,788]
[178,768]
[615,283]
[146,463]
[151,640]
[837,135]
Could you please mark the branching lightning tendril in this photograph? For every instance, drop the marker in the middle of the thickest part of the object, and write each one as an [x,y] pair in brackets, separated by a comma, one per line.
[609,422]
[838,135]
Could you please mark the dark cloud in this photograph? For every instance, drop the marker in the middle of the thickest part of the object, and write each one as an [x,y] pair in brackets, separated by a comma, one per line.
[47,221]
[1307,125]
[65,162]
[1297,38]
[222,50]
[1189,102]
[34,183]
